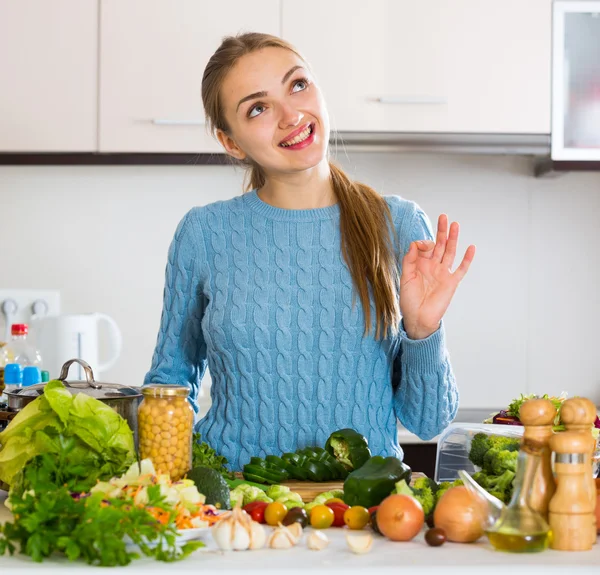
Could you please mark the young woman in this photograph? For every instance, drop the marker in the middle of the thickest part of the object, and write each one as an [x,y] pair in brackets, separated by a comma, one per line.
[315,302]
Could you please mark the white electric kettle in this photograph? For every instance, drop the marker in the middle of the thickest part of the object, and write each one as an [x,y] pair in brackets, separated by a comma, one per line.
[64,337]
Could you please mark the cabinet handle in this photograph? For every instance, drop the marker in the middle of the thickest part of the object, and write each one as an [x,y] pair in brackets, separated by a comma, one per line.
[164,122]
[430,100]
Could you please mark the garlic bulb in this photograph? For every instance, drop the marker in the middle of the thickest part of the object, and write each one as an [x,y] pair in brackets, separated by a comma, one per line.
[281,538]
[236,531]
[296,530]
[317,541]
[360,543]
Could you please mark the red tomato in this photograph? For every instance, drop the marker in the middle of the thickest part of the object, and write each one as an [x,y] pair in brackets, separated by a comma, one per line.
[256,510]
[338,510]
[371,509]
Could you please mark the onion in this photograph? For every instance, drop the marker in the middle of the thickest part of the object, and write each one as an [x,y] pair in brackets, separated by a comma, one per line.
[458,513]
[400,517]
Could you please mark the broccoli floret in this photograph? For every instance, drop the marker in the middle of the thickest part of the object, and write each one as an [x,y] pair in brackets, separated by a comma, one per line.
[479,447]
[504,443]
[481,477]
[425,483]
[482,443]
[402,488]
[502,482]
[496,462]
[421,491]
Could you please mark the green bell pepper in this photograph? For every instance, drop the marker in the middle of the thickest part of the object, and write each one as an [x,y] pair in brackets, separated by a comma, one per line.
[374,481]
[349,447]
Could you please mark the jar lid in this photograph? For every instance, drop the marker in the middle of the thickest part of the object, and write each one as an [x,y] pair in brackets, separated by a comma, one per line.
[165,390]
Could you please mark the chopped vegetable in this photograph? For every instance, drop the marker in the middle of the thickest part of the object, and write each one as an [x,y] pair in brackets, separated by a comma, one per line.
[93,527]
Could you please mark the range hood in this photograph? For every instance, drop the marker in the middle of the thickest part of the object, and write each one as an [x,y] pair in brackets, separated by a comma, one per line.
[490,144]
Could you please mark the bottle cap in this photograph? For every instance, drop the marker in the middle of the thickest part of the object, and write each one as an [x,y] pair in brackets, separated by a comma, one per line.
[13,374]
[19,329]
[45,376]
[31,375]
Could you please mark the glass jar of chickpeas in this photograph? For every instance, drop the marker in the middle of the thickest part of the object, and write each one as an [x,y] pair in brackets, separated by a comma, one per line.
[166,423]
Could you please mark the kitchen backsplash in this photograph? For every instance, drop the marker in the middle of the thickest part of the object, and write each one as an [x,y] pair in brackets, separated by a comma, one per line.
[525,318]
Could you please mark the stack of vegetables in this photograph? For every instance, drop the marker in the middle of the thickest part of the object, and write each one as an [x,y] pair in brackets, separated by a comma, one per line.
[75,489]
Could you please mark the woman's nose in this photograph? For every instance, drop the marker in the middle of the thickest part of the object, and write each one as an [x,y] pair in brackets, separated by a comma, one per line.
[289,116]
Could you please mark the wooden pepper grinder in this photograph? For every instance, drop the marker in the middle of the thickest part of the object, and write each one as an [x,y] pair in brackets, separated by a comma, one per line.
[537,415]
[571,511]
[578,414]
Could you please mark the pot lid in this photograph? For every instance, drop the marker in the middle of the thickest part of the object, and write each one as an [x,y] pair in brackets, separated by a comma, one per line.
[90,386]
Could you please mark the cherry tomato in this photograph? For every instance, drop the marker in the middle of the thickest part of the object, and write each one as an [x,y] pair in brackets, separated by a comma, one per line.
[274,513]
[374,508]
[321,517]
[335,500]
[338,511]
[250,506]
[356,517]
[258,513]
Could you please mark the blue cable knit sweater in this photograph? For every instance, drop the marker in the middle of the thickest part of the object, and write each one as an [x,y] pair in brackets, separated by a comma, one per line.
[263,296]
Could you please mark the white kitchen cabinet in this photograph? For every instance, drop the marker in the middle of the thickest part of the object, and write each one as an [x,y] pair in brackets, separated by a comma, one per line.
[153,54]
[460,66]
[48,74]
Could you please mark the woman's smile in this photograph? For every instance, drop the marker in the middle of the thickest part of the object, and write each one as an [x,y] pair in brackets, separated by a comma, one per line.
[300,138]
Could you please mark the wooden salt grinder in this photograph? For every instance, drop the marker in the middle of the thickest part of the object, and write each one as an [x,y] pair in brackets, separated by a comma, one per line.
[571,510]
[579,414]
[537,415]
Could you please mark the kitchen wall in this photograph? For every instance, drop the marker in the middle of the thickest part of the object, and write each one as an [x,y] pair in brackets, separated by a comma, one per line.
[525,319]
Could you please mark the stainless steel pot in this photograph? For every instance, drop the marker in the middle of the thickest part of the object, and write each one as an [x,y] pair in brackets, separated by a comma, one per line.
[124,400]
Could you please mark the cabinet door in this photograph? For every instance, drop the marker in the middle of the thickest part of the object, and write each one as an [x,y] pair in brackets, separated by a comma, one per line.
[48,74]
[153,54]
[428,66]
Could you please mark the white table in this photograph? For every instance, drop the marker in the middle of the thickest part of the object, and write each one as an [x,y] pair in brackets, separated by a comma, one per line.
[385,557]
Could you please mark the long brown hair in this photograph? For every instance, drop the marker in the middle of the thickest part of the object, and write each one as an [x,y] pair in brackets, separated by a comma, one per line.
[365,218]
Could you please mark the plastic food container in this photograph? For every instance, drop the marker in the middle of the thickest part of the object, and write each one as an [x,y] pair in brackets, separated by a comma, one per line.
[455,443]
[165,425]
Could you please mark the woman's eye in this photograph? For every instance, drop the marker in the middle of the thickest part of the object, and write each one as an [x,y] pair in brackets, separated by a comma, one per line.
[256,110]
[302,83]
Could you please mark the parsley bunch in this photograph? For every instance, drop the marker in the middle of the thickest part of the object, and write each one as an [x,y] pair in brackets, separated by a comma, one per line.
[204,455]
[50,519]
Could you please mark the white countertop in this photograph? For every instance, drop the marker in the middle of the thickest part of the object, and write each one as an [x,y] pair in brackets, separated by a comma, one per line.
[385,557]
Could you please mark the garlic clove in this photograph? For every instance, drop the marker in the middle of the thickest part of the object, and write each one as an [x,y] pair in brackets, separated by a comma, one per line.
[258,536]
[281,538]
[317,541]
[359,543]
[296,530]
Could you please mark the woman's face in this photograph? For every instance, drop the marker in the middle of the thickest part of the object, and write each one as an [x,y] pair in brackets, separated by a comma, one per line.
[275,112]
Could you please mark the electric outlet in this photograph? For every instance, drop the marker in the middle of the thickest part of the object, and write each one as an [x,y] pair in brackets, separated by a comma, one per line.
[24,306]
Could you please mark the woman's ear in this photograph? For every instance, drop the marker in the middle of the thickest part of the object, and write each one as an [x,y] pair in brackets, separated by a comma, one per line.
[230,146]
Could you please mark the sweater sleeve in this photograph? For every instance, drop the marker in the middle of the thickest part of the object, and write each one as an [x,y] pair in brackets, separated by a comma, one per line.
[425,390]
[180,352]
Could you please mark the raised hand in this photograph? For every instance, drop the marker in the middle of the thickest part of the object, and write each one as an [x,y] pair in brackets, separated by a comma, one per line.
[427,283]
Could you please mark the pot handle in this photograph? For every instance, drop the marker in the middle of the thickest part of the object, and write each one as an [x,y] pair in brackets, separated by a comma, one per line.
[89,374]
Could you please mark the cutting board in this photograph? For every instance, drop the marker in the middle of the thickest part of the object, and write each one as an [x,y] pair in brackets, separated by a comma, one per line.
[308,490]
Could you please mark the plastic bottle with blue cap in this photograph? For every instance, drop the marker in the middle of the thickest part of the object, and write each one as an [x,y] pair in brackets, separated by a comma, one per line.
[31,375]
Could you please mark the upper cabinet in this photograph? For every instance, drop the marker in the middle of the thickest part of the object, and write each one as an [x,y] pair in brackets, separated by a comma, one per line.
[153,54]
[461,66]
[576,81]
[48,71]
